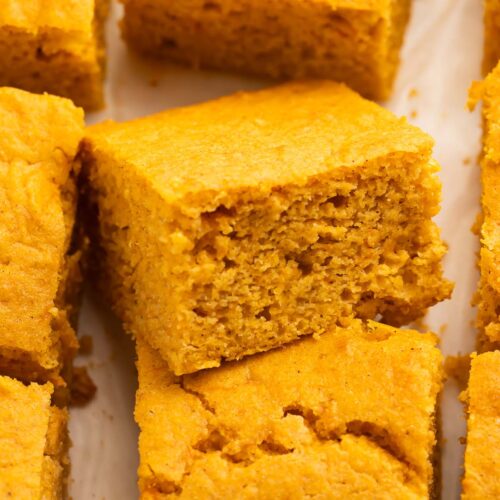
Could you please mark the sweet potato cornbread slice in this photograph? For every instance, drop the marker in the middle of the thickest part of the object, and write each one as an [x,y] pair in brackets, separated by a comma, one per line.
[491,54]
[234,226]
[33,440]
[488,296]
[482,455]
[39,137]
[355,41]
[350,415]
[54,46]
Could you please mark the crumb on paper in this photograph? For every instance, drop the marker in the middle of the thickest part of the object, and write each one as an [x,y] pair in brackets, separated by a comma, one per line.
[457,367]
[476,227]
[83,388]
[467,161]
[413,114]
[86,345]
[443,328]
[413,93]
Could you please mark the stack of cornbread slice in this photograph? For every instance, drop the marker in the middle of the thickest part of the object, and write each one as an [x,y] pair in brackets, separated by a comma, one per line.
[39,281]
[277,222]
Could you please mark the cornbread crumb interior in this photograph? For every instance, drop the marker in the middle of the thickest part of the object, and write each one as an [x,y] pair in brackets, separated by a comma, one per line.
[488,295]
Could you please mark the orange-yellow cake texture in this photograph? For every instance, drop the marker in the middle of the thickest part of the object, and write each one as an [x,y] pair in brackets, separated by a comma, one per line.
[482,456]
[54,46]
[491,54]
[348,415]
[488,296]
[355,41]
[237,225]
[39,137]
[33,442]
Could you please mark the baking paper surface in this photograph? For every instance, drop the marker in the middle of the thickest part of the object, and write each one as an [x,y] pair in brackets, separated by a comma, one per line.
[441,57]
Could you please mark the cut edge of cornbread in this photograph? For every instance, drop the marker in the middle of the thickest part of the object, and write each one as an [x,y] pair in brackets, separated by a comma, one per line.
[487,297]
[203,239]
[355,42]
[481,400]
[208,416]
[35,433]
[46,59]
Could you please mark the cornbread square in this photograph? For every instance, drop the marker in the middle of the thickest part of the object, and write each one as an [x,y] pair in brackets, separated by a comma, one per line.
[39,137]
[237,225]
[491,54]
[488,296]
[354,41]
[482,455]
[33,440]
[348,415]
[54,46]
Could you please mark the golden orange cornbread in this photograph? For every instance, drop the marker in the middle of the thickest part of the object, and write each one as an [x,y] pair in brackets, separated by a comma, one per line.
[355,41]
[488,295]
[39,137]
[237,225]
[482,456]
[34,443]
[348,415]
[491,54]
[54,46]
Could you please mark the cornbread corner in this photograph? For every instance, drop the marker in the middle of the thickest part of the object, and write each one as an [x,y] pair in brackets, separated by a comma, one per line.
[491,54]
[39,137]
[352,413]
[355,41]
[54,46]
[299,206]
[488,295]
[482,455]
[34,442]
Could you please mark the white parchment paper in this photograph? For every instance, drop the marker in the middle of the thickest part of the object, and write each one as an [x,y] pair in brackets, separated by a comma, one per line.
[441,57]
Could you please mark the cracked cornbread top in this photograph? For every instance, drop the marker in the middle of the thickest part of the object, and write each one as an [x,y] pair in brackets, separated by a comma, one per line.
[350,413]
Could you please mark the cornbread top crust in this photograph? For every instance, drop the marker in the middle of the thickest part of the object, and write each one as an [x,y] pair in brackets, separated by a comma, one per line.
[248,140]
[482,456]
[72,18]
[489,298]
[349,414]
[39,136]
[29,435]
